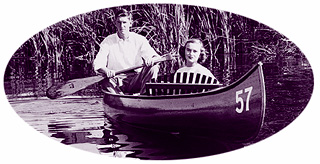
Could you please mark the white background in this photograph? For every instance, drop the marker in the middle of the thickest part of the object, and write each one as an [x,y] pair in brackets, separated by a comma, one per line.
[297,20]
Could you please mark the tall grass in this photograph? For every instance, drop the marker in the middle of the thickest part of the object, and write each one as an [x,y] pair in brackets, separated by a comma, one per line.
[67,49]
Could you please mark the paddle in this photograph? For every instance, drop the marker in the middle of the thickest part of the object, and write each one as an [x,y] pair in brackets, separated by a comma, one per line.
[72,86]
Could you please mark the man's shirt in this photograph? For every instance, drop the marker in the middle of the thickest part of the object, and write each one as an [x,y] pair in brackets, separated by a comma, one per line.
[117,54]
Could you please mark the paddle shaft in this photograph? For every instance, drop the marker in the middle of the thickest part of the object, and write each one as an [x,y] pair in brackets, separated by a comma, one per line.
[75,85]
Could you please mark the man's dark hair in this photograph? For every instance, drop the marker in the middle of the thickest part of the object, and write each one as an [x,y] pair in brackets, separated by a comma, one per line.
[123,13]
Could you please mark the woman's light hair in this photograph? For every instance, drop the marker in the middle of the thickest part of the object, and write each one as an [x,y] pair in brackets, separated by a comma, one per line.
[197,41]
[202,56]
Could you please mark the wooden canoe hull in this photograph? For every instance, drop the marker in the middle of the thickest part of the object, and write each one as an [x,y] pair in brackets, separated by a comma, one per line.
[234,112]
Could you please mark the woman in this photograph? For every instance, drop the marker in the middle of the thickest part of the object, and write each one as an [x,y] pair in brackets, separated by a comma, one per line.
[193,49]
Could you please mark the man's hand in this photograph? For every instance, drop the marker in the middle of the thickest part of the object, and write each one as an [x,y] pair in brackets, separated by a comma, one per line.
[151,61]
[107,72]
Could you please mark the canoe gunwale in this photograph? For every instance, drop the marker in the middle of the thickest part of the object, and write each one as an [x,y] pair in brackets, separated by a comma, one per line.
[209,92]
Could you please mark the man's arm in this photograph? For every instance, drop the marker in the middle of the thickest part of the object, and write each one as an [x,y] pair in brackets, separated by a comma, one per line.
[101,61]
[148,54]
[150,61]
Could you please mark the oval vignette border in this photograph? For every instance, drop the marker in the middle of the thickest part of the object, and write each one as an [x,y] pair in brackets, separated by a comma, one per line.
[290,130]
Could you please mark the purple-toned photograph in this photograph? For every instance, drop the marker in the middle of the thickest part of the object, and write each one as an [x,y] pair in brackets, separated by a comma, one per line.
[158,81]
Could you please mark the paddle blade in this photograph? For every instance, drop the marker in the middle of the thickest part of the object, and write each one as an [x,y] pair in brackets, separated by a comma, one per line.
[71,86]
[53,93]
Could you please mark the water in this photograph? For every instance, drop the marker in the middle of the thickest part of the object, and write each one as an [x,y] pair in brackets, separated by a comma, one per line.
[79,121]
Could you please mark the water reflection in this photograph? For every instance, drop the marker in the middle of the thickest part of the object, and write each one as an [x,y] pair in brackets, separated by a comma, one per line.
[137,143]
[146,144]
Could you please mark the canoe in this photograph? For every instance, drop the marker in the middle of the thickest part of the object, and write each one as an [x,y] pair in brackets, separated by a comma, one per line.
[232,113]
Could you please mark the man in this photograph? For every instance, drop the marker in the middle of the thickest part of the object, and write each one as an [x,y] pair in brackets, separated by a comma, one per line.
[122,50]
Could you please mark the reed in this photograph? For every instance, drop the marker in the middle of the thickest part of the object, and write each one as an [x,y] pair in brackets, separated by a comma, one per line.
[67,49]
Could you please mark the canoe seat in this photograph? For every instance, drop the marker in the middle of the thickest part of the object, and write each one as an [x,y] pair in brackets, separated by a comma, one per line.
[181,83]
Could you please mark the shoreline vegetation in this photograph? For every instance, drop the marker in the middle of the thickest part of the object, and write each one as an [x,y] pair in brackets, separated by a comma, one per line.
[66,50]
